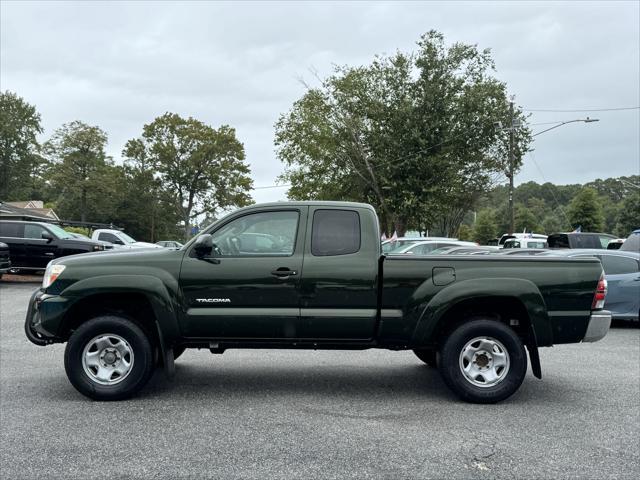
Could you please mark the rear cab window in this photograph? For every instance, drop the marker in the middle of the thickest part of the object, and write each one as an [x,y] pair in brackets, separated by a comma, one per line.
[335,232]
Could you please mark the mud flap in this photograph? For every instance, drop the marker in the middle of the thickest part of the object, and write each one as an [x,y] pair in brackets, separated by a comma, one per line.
[169,363]
[534,357]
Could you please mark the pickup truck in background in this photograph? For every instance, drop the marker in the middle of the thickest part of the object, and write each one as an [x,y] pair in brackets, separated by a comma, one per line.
[119,239]
[311,275]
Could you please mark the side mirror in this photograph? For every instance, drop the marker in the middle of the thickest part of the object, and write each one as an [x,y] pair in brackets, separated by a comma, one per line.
[47,236]
[117,241]
[203,245]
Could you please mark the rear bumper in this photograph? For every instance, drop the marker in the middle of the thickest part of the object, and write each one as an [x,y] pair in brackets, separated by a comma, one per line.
[599,324]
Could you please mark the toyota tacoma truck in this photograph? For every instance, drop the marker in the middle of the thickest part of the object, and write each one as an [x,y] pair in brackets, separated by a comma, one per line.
[311,275]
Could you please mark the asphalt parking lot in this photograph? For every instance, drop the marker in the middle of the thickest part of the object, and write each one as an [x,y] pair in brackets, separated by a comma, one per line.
[298,414]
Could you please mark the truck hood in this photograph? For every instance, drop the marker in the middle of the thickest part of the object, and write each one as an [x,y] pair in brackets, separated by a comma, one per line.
[123,256]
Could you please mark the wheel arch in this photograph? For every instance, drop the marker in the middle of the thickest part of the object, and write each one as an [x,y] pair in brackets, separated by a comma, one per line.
[506,298]
[143,299]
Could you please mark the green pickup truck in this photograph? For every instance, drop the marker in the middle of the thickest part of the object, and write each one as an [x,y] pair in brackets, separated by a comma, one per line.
[310,275]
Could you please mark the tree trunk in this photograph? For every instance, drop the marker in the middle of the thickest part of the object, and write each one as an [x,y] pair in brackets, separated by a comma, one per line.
[400,226]
[83,205]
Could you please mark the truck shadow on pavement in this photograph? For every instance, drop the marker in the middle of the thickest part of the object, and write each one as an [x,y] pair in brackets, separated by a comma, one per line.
[393,383]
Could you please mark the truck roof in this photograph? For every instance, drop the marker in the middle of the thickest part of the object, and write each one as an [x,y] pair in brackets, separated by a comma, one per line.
[314,203]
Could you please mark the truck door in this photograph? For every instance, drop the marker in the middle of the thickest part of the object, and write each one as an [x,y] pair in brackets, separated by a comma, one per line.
[339,274]
[247,291]
[12,233]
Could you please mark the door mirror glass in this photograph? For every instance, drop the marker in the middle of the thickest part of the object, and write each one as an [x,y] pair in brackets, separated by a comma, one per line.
[203,245]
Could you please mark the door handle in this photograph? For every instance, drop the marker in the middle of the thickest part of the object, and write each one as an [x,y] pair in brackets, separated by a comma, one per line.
[49,254]
[283,273]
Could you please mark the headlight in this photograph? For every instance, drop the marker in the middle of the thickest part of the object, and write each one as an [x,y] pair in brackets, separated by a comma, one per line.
[97,248]
[51,274]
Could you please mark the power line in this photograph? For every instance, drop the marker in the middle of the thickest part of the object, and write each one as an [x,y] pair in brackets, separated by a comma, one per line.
[580,110]
[270,186]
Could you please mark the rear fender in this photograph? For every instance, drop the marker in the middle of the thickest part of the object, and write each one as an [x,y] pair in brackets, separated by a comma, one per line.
[525,291]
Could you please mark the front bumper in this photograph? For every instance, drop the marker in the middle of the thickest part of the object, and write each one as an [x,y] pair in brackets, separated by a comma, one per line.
[43,318]
[599,324]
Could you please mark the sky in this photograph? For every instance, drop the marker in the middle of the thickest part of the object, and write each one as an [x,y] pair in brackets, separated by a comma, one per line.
[119,65]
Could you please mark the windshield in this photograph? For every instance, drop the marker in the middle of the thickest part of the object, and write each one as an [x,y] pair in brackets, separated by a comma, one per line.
[125,238]
[59,231]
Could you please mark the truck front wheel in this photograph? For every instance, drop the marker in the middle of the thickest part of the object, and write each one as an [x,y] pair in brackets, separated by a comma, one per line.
[108,358]
[483,361]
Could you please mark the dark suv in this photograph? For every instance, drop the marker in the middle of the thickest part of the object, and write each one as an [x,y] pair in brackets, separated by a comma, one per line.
[5,263]
[32,245]
[579,240]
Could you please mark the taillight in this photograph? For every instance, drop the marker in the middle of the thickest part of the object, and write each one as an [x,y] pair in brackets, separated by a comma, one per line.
[600,295]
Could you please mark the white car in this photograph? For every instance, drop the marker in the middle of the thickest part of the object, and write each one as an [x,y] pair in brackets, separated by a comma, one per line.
[389,246]
[428,246]
[520,236]
[536,241]
[120,239]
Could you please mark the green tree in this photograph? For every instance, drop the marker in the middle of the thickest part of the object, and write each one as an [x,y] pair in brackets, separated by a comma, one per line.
[20,163]
[585,211]
[552,224]
[150,214]
[202,169]
[465,232]
[629,216]
[82,176]
[486,227]
[414,134]
[524,219]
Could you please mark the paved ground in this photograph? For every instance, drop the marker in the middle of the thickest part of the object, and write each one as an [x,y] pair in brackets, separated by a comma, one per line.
[288,414]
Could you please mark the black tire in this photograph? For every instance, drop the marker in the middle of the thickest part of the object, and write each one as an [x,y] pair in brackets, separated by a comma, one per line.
[177,351]
[141,367]
[429,357]
[450,361]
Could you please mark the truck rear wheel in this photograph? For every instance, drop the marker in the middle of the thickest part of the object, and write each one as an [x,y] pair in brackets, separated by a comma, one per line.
[108,358]
[483,361]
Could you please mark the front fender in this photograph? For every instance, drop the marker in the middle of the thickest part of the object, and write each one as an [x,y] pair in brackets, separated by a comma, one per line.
[522,290]
[162,299]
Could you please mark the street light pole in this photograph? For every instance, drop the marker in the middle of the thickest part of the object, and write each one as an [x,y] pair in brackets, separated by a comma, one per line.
[512,127]
[585,120]
[511,155]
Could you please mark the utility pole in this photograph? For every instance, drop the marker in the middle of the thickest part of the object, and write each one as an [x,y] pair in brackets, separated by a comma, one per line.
[511,162]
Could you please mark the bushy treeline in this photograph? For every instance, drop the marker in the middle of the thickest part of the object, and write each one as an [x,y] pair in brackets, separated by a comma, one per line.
[611,205]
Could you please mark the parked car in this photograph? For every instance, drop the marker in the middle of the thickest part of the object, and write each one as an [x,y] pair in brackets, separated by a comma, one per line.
[475,250]
[632,243]
[32,245]
[391,245]
[526,242]
[579,240]
[428,246]
[512,238]
[169,244]
[5,261]
[106,245]
[123,314]
[524,251]
[615,244]
[622,271]
[119,239]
